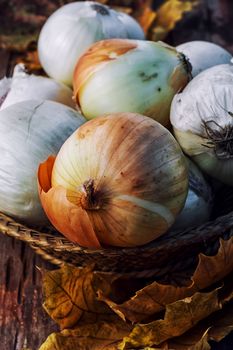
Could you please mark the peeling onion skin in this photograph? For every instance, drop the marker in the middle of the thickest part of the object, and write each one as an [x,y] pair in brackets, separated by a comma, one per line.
[22,87]
[75,215]
[119,180]
[120,75]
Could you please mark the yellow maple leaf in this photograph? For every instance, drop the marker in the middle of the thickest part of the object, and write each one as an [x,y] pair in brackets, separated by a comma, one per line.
[168,14]
[70,296]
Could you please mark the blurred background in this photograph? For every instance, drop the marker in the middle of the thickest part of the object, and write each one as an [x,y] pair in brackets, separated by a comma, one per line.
[174,21]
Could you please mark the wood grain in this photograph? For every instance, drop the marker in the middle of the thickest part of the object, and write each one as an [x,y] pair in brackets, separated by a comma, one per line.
[4,60]
[23,322]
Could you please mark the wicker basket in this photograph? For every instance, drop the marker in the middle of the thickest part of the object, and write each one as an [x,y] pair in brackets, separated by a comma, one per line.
[174,251]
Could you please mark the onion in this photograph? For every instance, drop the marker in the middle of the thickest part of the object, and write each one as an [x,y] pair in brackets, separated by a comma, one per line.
[199,202]
[30,131]
[71,29]
[118,180]
[129,76]
[202,120]
[22,87]
[203,55]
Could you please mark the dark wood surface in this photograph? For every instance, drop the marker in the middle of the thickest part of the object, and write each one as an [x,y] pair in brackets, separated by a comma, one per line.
[23,322]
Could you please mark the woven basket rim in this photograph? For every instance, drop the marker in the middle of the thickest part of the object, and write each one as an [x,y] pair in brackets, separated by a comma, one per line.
[11,227]
[148,260]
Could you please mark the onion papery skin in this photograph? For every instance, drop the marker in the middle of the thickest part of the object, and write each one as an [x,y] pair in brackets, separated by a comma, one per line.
[207,102]
[30,132]
[22,86]
[138,76]
[203,55]
[119,180]
[71,29]
[199,201]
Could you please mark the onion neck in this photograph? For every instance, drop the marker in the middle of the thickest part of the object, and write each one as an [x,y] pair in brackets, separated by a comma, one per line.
[90,198]
[186,64]
[102,10]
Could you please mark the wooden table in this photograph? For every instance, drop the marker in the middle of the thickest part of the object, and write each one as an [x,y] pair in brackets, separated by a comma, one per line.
[23,322]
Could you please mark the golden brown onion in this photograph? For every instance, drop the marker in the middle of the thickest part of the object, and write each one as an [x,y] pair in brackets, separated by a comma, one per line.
[118,180]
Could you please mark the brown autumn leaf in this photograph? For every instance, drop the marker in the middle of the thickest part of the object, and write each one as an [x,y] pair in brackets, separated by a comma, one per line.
[17,42]
[98,336]
[216,327]
[180,316]
[168,14]
[107,335]
[213,327]
[70,296]
[30,60]
[154,297]
[145,15]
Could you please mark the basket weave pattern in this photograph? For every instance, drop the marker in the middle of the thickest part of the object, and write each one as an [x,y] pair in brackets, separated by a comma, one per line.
[161,256]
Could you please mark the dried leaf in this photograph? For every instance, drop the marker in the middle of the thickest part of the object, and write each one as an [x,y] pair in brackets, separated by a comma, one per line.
[145,15]
[222,324]
[168,15]
[216,327]
[171,12]
[17,42]
[179,318]
[154,297]
[89,337]
[70,296]
[147,301]
[107,335]
[211,269]
[21,21]
[189,342]
[31,61]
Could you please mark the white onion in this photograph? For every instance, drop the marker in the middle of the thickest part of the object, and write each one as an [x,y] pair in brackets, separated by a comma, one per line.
[198,205]
[71,29]
[22,87]
[203,55]
[30,131]
[202,120]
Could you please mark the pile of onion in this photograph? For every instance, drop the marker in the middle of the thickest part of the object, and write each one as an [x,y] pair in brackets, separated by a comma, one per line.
[118,180]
